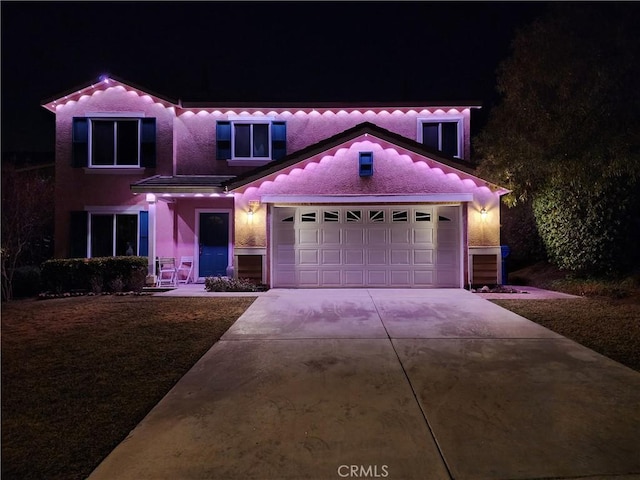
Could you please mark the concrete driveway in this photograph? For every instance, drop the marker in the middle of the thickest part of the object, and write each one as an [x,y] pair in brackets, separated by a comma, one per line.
[398,384]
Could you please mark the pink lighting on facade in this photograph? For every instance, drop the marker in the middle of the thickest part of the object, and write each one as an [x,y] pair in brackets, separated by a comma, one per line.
[399,172]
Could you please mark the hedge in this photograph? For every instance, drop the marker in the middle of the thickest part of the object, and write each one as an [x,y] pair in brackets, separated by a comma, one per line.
[99,274]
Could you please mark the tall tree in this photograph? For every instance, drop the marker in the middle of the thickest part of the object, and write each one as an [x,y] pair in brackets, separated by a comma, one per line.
[566,134]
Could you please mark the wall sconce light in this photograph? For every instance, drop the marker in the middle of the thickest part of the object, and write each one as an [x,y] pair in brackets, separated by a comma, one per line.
[253,207]
[483,213]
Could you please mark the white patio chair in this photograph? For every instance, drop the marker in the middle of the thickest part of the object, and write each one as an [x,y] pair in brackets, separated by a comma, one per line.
[185,270]
[167,272]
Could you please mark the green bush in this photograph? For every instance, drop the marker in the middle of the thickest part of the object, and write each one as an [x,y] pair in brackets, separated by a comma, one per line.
[225,284]
[590,228]
[100,274]
[520,232]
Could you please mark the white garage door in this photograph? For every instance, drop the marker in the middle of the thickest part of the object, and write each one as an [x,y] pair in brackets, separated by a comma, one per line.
[366,246]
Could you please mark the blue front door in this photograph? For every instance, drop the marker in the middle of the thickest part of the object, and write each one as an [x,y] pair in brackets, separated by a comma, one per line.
[214,244]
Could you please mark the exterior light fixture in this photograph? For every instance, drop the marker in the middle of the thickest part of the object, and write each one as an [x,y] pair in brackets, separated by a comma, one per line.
[483,212]
[253,206]
[151,198]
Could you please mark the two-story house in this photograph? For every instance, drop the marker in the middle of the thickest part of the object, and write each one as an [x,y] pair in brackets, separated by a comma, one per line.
[299,195]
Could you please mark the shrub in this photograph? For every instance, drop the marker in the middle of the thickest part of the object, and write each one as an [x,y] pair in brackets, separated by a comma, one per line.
[111,274]
[590,229]
[225,284]
[520,232]
[26,281]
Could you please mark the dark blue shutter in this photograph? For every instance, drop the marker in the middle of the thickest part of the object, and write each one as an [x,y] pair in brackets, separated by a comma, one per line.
[278,140]
[143,241]
[366,164]
[78,226]
[148,143]
[223,140]
[80,141]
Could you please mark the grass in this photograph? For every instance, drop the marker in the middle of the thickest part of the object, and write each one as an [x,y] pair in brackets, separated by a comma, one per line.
[608,326]
[607,320]
[544,275]
[79,373]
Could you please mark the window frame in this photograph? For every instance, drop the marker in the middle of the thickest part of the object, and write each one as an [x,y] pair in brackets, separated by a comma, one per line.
[114,214]
[440,119]
[251,122]
[115,120]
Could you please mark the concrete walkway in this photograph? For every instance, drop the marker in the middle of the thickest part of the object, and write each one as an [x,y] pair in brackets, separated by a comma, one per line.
[398,384]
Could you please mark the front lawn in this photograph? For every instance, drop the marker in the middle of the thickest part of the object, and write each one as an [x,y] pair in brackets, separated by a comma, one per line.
[79,373]
[609,326]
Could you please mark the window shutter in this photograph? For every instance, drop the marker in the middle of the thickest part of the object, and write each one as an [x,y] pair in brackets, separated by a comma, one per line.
[143,241]
[223,140]
[80,141]
[78,228]
[278,140]
[148,143]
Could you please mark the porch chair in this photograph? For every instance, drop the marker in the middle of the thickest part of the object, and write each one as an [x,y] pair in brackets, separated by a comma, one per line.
[167,273]
[185,270]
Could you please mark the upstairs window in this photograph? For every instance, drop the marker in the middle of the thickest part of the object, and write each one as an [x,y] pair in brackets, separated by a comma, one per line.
[442,135]
[250,142]
[114,142]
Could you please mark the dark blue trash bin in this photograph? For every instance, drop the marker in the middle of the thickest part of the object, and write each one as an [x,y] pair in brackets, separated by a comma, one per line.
[504,250]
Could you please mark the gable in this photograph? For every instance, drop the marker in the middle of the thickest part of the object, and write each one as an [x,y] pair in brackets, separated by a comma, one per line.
[336,171]
[103,84]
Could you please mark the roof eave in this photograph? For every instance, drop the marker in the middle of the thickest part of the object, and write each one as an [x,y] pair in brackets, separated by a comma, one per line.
[103,81]
[470,104]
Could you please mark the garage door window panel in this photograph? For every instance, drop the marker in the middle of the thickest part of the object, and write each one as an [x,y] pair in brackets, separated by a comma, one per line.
[354,216]
[308,217]
[422,216]
[400,216]
[331,216]
[376,216]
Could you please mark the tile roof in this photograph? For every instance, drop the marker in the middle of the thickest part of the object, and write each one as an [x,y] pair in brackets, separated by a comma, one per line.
[181,184]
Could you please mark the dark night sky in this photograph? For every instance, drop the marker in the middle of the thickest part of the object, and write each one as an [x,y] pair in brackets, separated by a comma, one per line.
[243,51]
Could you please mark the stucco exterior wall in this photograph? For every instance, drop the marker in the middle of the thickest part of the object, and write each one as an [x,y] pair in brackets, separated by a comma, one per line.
[484,231]
[196,132]
[80,188]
